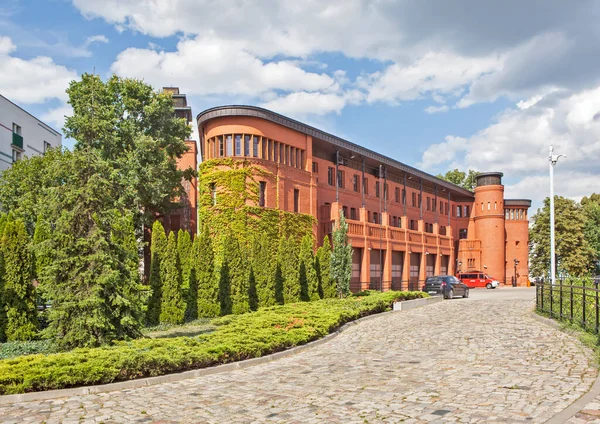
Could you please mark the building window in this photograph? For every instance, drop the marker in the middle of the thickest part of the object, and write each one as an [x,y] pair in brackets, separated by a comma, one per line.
[376,188]
[315,167]
[394,221]
[292,156]
[276,151]
[506,214]
[330,178]
[16,129]
[433,205]
[489,207]
[466,215]
[428,203]
[296,200]
[375,218]
[397,195]
[441,207]
[414,200]
[265,154]
[420,200]
[365,186]
[247,139]
[495,206]
[213,193]
[512,214]
[238,144]
[221,146]
[404,196]
[287,155]
[413,224]
[356,183]
[462,233]
[298,159]
[352,213]
[229,145]
[270,149]
[261,193]
[255,141]
[16,155]
[458,211]
[281,153]
[340,178]
[47,146]
[345,211]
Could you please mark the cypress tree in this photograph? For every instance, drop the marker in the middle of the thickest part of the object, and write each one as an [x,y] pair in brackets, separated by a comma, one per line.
[263,265]
[323,264]
[224,289]
[341,258]
[18,292]
[278,285]
[252,294]
[42,251]
[172,308]
[191,311]
[288,260]
[2,297]
[310,274]
[208,283]
[158,246]
[184,250]
[237,261]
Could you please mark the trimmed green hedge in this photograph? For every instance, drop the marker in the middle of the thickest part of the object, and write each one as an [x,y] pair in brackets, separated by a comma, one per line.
[236,337]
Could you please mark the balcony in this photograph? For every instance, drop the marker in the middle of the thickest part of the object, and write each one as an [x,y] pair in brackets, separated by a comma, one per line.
[17,141]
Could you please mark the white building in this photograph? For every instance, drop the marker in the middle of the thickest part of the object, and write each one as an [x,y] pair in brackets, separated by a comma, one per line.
[22,134]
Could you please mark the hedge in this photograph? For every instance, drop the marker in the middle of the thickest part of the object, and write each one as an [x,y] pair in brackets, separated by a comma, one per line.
[237,337]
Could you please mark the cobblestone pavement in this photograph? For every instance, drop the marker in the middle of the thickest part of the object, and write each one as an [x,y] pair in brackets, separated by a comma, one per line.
[482,359]
[590,414]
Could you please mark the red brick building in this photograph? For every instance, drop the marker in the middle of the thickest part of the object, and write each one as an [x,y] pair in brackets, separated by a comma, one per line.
[404,224]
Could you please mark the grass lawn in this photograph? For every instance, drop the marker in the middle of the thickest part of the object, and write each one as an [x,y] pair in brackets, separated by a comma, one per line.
[196,345]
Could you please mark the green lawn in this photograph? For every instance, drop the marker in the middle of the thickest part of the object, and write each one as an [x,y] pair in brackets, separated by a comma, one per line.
[197,345]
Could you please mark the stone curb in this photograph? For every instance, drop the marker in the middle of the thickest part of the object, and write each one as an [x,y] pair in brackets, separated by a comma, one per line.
[571,410]
[169,378]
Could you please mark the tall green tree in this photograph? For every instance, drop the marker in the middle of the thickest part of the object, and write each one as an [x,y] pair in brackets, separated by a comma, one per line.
[208,282]
[225,304]
[591,209]
[95,290]
[465,180]
[575,256]
[3,219]
[172,309]
[307,260]
[288,261]
[278,284]
[18,292]
[252,293]
[184,249]
[326,285]
[264,262]
[133,128]
[41,252]
[158,248]
[238,273]
[341,258]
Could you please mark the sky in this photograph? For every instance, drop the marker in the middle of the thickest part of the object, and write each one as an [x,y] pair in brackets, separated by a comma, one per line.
[467,84]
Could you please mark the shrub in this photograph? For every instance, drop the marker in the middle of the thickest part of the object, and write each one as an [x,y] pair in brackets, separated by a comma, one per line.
[235,338]
[208,283]
[172,307]
[158,247]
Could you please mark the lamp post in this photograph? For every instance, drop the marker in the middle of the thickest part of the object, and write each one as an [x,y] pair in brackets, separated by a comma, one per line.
[553,159]
[515,280]
[380,231]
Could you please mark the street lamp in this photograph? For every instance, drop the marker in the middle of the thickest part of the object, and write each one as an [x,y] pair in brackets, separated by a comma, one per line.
[553,159]
[515,280]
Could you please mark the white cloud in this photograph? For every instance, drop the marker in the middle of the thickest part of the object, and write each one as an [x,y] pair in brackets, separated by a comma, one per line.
[32,81]
[6,45]
[96,39]
[211,66]
[56,116]
[436,109]
[300,104]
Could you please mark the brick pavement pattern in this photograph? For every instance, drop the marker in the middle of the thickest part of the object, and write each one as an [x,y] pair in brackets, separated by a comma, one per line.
[462,360]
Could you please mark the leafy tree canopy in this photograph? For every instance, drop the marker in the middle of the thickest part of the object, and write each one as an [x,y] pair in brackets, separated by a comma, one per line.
[460,178]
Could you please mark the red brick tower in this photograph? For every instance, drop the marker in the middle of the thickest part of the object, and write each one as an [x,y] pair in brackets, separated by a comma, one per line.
[488,215]
[517,241]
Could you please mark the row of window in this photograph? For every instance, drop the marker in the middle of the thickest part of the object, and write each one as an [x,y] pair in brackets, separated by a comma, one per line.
[262,192]
[512,214]
[17,152]
[248,145]
[394,221]
[399,195]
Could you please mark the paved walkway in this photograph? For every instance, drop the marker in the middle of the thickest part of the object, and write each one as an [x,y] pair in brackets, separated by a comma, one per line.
[482,359]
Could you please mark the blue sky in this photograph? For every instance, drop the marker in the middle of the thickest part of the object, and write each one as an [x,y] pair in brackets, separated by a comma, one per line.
[459,84]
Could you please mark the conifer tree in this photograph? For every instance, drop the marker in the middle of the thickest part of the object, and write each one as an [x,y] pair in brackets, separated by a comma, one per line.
[191,311]
[237,261]
[252,294]
[278,285]
[184,249]
[18,292]
[2,297]
[327,288]
[288,261]
[308,260]
[208,283]
[158,246]
[341,258]
[224,289]
[42,256]
[172,309]
[263,264]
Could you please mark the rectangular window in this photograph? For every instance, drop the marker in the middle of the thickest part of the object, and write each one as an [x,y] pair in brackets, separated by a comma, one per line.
[414,200]
[375,218]
[345,210]
[385,191]
[261,193]
[296,200]
[466,215]
[428,203]
[281,153]
[229,142]
[433,205]
[238,144]
[376,188]
[247,139]
[441,207]
[270,149]
[330,176]
[506,214]
[221,146]
[397,195]
[365,186]
[352,213]
[213,193]
[404,196]
[47,146]
[276,151]
[458,211]
[355,183]
[298,160]
[287,155]
[315,167]
[292,156]
[420,200]
[369,216]
[255,142]
[16,129]
[447,207]
[265,154]
[16,155]
[394,221]
[214,146]
[340,179]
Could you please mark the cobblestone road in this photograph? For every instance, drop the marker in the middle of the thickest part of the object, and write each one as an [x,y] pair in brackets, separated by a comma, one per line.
[482,359]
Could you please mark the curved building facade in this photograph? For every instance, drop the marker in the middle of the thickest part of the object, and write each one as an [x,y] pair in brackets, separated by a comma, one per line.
[404,224]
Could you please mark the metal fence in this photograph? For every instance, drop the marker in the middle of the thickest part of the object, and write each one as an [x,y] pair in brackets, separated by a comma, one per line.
[577,304]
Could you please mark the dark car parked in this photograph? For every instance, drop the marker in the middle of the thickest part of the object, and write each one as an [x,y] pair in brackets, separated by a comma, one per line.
[446,285]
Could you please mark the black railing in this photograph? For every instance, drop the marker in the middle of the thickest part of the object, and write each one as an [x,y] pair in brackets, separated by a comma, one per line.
[577,304]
